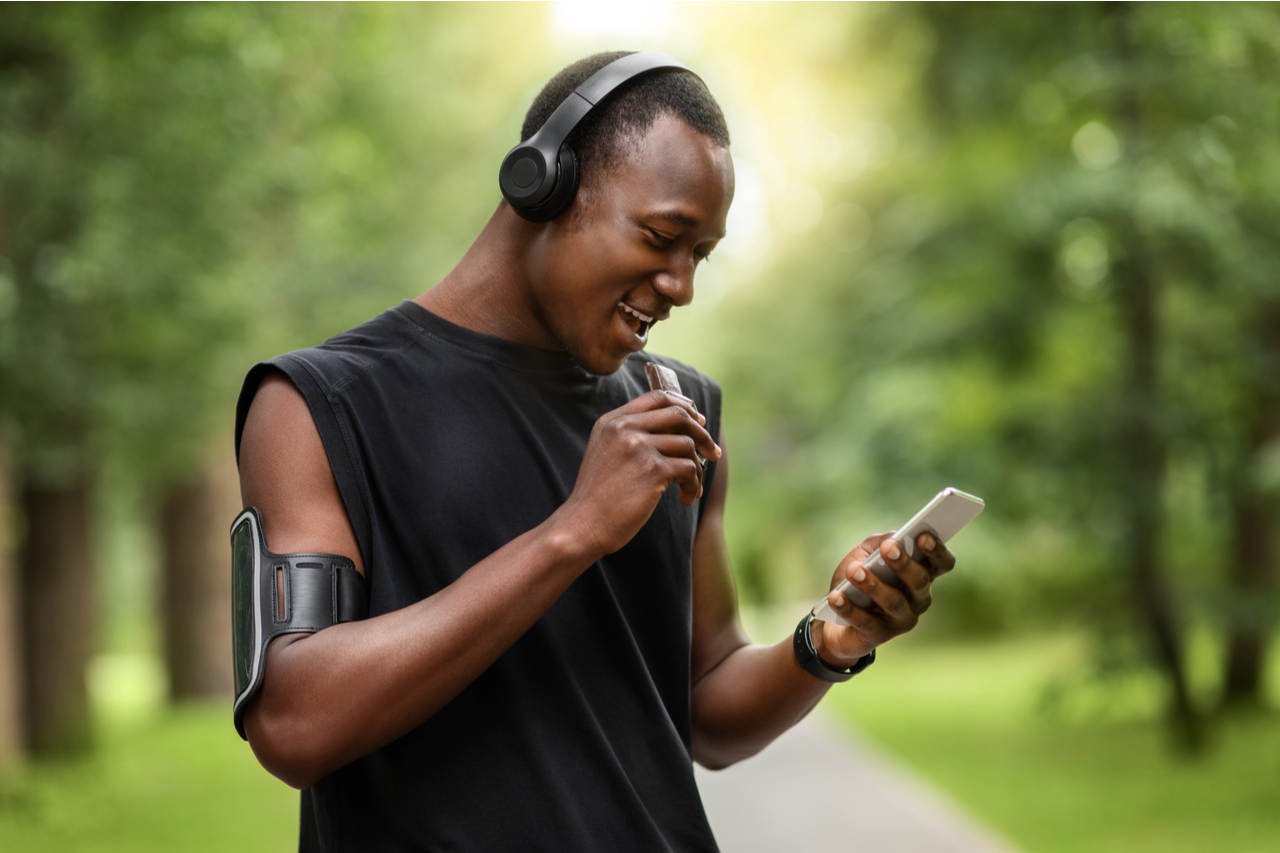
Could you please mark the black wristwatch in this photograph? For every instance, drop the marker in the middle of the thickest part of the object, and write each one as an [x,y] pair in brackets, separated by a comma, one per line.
[816,666]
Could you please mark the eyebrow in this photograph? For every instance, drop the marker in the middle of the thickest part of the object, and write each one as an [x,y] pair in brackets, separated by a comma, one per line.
[680,219]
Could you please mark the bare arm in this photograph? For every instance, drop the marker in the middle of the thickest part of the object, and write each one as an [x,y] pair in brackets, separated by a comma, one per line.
[331,697]
[745,695]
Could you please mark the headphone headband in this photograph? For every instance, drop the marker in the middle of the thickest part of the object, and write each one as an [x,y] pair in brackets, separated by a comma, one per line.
[540,175]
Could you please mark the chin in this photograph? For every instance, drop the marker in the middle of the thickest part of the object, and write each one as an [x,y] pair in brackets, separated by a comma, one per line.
[597,364]
[602,366]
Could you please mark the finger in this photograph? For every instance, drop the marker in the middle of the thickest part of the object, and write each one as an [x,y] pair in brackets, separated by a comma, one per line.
[867,547]
[939,556]
[688,475]
[916,581]
[654,400]
[868,626]
[679,447]
[857,556]
[675,446]
[871,626]
[676,420]
[892,602]
[841,601]
[664,459]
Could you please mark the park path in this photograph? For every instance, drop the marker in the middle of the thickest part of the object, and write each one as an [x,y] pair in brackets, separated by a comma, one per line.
[822,789]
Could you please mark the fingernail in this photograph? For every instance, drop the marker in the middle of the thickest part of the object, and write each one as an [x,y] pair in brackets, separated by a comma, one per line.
[859,574]
[890,549]
[927,542]
[840,600]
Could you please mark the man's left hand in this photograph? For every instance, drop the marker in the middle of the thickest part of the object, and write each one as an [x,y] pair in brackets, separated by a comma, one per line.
[897,610]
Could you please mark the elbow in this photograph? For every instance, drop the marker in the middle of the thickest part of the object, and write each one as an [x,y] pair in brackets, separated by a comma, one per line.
[713,762]
[719,753]
[299,775]
[720,739]
[286,747]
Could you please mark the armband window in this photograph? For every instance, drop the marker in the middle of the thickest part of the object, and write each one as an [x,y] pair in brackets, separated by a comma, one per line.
[274,594]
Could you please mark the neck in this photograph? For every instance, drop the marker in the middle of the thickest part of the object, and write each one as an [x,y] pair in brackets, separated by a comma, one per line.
[488,290]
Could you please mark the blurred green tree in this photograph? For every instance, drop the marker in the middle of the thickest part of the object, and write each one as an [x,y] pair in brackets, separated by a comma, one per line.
[184,189]
[1053,283]
[1044,270]
[117,146]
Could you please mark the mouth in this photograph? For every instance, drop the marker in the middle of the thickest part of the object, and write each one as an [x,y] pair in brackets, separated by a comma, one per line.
[639,323]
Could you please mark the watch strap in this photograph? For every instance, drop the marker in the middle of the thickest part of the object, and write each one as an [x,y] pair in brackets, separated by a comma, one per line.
[807,655]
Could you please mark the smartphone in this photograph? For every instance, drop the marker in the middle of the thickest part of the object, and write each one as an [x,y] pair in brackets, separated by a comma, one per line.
[944,516]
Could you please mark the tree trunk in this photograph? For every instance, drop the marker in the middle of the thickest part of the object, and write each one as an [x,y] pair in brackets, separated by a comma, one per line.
[1141,435]
[1253,571]
[58,609]
[1144,455]
[10,650]
[1251,578]
[195,521]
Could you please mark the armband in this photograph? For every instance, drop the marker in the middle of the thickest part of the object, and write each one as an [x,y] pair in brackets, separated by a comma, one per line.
[274,594]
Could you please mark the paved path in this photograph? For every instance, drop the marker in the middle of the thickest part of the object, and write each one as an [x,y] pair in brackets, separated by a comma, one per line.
[787,799]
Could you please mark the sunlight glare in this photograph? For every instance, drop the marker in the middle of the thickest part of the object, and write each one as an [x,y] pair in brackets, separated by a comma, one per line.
[749,235]
[642,22]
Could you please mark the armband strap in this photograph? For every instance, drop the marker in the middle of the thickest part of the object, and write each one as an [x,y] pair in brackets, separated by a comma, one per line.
[274,594]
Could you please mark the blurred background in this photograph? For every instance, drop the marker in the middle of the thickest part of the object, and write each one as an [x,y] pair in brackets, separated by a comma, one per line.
[1029,251]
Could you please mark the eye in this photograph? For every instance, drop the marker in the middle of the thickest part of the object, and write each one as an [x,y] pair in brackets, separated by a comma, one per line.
[662,239]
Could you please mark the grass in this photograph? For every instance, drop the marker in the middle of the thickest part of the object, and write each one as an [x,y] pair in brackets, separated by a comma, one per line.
[1091,771]
[159,781]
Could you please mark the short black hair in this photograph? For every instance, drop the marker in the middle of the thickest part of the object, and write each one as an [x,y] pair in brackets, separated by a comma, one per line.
[604,137]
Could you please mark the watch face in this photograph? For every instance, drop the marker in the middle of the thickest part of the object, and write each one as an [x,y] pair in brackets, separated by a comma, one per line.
[244,552]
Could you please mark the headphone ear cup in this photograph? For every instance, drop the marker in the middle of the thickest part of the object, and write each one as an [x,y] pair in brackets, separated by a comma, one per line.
[523,177]
[566,187]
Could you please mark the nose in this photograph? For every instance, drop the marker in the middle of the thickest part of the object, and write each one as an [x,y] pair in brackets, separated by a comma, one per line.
[675,283]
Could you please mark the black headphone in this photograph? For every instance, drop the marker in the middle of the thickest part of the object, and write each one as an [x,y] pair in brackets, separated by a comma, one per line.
[539,177]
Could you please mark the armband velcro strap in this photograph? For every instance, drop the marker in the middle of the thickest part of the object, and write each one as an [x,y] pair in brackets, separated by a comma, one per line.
[274,594]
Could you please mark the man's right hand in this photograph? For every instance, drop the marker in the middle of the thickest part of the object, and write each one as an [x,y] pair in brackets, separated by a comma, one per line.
[633,456]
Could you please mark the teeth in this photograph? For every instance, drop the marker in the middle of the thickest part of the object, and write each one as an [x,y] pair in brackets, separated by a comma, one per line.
[643,318]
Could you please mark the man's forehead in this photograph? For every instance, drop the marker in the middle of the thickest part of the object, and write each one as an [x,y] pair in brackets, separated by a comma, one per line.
[672,172]
[668,139]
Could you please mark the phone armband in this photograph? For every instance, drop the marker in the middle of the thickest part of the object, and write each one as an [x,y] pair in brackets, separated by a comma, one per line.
[274,594]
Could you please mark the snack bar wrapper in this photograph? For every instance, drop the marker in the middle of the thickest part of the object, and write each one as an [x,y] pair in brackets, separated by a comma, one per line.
[664,379]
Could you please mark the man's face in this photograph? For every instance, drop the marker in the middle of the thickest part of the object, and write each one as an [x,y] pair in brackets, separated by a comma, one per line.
[600,276]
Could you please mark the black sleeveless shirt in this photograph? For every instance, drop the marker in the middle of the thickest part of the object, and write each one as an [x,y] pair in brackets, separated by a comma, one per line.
[447,444]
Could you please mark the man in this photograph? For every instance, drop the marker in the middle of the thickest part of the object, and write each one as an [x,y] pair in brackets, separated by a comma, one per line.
[553,633]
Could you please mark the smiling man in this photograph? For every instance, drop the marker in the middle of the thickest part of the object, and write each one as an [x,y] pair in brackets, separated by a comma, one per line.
[552,635]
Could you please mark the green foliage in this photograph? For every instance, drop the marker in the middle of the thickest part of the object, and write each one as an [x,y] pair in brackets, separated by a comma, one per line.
[121,156]
[971,337]
[184,189]
[953,194]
